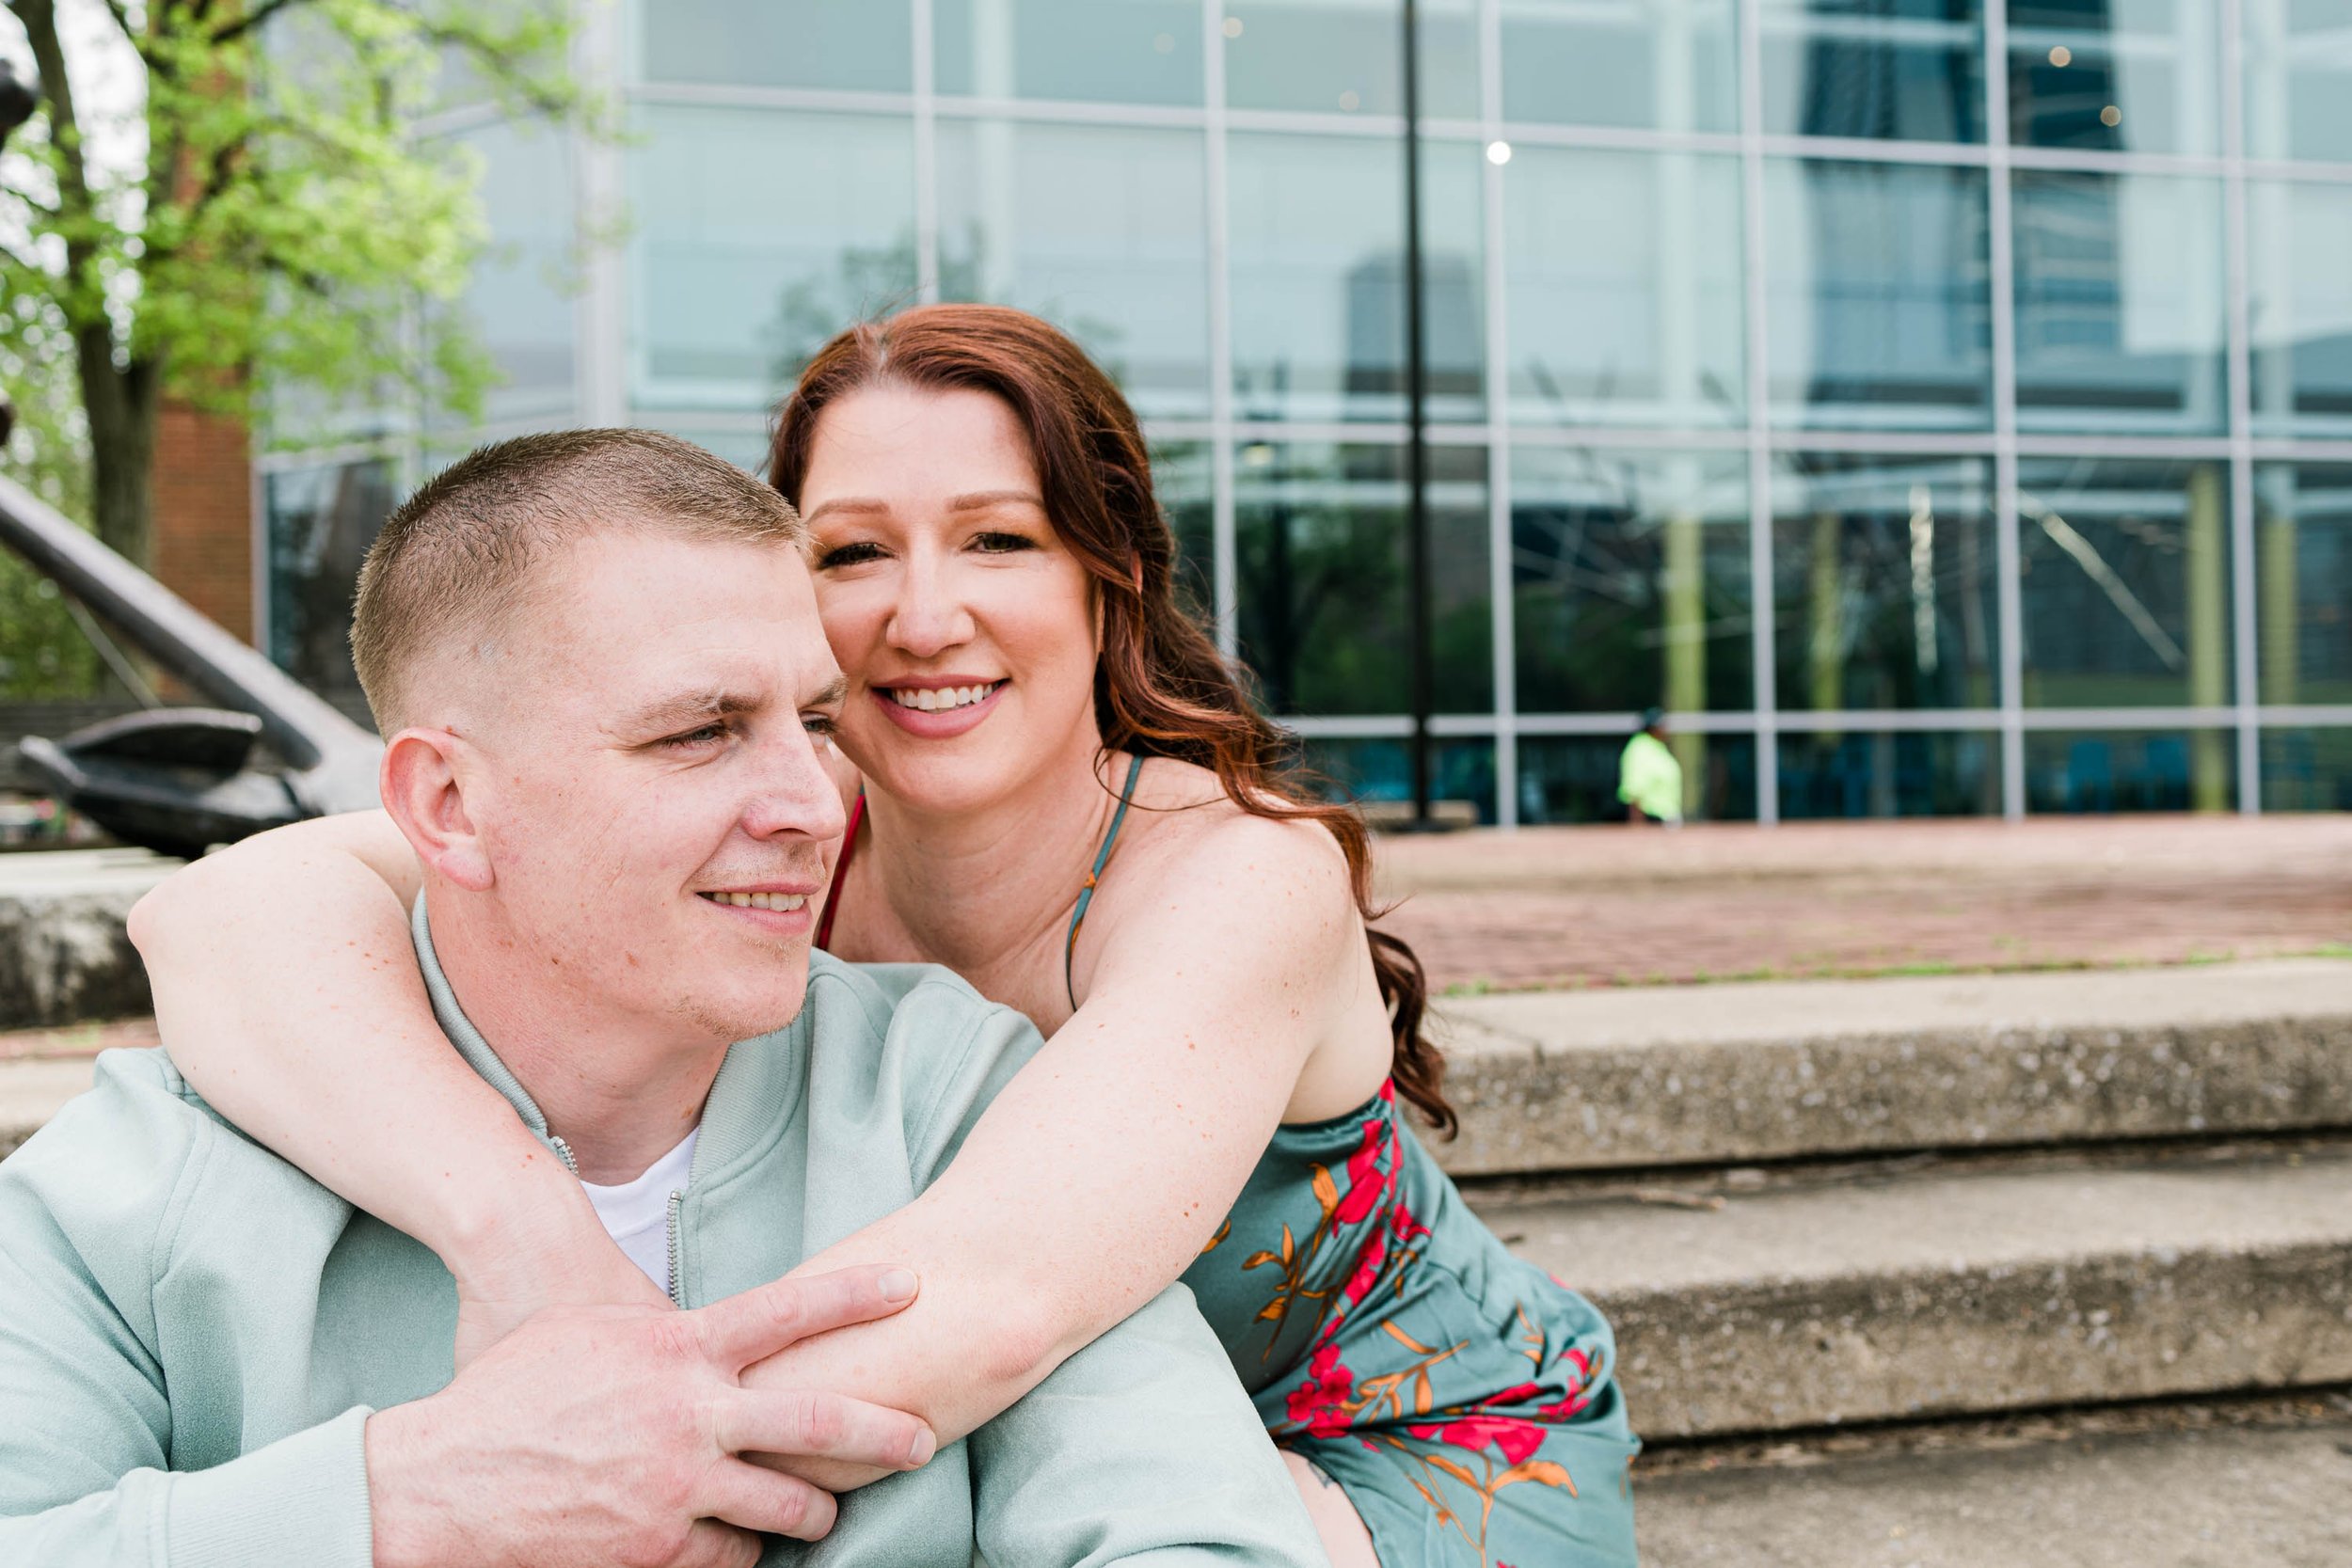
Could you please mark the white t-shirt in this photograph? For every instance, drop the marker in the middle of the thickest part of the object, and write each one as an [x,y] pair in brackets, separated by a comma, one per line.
[637,1213]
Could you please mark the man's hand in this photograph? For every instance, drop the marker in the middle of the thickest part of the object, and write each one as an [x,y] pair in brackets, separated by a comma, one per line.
[614,1435]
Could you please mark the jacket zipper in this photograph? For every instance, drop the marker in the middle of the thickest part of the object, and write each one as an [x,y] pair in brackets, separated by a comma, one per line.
[678,1201]
[678,1293]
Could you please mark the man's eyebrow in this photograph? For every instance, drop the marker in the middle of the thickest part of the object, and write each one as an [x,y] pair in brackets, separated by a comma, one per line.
[831,693]
[685,707]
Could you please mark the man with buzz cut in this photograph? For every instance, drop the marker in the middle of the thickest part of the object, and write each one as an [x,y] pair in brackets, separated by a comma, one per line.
[597,657]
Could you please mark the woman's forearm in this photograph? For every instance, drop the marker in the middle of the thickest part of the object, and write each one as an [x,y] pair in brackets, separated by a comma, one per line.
[287,992]
[1094,1178]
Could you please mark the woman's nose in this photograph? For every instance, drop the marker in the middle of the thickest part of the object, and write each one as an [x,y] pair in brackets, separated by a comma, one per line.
[931,616]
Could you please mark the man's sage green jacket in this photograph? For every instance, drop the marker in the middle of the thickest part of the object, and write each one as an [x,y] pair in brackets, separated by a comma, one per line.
[191,1332]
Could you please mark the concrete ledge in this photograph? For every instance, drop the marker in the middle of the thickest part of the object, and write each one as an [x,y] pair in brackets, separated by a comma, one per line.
[1729,1074]
[32,1092]
[1963,1294]
[2193,1499]
[64,958]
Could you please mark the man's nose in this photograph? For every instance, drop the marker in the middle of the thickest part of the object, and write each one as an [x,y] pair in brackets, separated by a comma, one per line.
[931,616]
[798,796]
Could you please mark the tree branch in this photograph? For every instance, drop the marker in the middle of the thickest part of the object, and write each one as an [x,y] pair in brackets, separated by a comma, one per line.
[499,67]
[137,39]
[252,18]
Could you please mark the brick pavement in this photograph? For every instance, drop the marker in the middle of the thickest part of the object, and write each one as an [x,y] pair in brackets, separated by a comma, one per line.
[1616,905]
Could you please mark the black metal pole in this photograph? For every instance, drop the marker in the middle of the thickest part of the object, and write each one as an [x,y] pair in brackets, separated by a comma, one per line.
[1416,423]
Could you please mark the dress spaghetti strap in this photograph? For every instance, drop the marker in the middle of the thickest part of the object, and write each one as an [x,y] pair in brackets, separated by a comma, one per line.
[840,870]
[1077,916]
[1085,893]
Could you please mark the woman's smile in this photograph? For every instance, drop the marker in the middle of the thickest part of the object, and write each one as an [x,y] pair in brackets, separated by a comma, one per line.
[939,712]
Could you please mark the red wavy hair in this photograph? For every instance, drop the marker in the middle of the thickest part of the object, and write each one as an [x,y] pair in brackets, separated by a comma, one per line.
[1160,688]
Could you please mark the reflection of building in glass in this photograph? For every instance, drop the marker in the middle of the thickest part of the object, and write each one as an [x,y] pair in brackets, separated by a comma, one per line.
[1939,412]
[320,522]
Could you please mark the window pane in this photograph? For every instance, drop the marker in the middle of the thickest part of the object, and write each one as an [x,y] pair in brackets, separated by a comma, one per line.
[2298,79]
[1899,69]
[863,45]
[1629,580]
[1378,775]
[1625,288]
[518,301]
[2307,770]
[2299,299]
[2125,582]
[1884,773]
[1668,65]
[1180,476]
[2125,75]
[1320,532]
[1096,228]
[320,523]
[1884,593]
[746,449]
[1878,295]
[2114,770]
[2120,311]
[1574,778]
[758,235]
[1343,57]
[2303,553]
[1318,277]
[1131,52]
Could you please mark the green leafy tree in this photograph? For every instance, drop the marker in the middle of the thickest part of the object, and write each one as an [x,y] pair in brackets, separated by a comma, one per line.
[278,224]
[43,654]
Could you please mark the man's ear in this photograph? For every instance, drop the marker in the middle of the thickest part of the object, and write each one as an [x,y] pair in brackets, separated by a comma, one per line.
[422,785]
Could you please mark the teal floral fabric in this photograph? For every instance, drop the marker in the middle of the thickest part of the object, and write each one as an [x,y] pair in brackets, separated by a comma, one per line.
[1466,1400]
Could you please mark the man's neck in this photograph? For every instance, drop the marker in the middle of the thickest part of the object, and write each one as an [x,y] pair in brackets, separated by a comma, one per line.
[620,1092]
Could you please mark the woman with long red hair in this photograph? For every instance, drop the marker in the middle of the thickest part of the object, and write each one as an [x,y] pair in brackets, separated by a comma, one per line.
[1064,794]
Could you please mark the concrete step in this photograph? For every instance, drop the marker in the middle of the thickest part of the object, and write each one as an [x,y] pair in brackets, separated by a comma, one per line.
[33,1091]
[1942,1292]
[1721,1074]
[2281,1497]
[64,958]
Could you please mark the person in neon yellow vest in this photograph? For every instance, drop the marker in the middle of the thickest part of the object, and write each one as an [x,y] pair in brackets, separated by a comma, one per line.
[1649,780]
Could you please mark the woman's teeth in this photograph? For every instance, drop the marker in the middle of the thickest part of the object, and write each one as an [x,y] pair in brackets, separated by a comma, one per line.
[937,699]
[780,901]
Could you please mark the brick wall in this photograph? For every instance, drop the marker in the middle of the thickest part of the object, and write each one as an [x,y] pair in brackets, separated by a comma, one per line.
[204,515]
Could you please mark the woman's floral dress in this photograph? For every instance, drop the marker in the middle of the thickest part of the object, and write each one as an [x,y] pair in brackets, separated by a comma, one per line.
[1466,1400]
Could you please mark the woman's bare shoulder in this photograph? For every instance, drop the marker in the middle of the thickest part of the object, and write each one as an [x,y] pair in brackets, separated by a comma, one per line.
[1191,819]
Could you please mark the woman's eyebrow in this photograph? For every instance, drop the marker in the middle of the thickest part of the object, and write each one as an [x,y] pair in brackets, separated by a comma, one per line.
[979,498]
[844,504]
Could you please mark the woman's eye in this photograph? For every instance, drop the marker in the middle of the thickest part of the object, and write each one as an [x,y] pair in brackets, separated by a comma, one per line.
[851,554]
[1001,543]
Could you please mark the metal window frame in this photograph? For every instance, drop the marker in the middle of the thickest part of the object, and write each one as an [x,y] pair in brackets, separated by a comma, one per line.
[608,61]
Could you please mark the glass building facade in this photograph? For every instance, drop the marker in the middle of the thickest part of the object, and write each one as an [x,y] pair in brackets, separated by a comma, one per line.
[1940,406]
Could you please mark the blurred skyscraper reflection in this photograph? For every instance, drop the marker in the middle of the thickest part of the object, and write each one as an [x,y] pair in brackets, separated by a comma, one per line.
[1941,407]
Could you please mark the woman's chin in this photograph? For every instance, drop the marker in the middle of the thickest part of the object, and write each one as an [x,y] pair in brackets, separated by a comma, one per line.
[966,774]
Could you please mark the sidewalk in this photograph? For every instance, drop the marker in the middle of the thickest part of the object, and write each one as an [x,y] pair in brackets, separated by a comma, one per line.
[2192,1499]
[1568,906]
